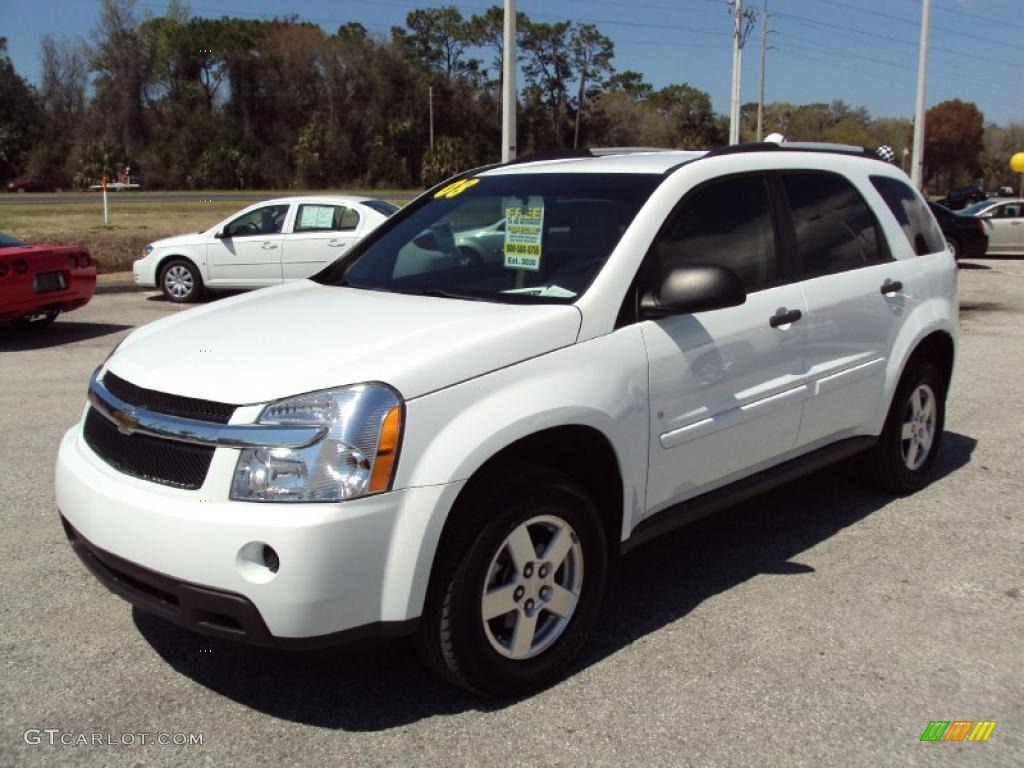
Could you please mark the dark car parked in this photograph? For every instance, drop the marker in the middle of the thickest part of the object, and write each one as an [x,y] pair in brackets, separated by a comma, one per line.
[965,235]
[38,185]
[963,196]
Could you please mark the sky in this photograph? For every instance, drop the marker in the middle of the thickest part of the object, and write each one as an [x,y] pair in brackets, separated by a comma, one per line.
[864,52]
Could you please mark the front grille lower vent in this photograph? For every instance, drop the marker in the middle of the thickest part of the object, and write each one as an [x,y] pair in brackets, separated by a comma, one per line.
[167,462]
[173,405]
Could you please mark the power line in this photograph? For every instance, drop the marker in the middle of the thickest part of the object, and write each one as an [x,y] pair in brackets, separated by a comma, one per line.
[916,23]
[971,15]
[876,35]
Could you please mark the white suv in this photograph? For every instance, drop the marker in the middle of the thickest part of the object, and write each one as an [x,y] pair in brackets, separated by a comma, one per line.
[416,443]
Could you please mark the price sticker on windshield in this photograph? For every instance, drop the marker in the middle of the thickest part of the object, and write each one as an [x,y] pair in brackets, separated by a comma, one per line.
[524,232]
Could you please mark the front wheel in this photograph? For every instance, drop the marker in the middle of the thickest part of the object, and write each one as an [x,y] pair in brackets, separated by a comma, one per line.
[902,460]
[517,590]
[181,282]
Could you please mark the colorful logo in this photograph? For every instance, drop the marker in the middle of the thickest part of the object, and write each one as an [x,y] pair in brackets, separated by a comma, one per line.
[958,730]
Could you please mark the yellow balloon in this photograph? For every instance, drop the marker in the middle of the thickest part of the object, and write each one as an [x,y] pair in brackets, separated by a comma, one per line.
[1017,163]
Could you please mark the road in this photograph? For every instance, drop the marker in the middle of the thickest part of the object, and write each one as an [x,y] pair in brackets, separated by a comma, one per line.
[822,625]
[172,197]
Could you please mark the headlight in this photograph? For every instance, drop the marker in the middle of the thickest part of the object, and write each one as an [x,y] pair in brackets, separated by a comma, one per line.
[355,458]
[147,250]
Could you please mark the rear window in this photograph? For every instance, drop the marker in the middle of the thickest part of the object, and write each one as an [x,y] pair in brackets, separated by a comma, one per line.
[381,206]
[910,211]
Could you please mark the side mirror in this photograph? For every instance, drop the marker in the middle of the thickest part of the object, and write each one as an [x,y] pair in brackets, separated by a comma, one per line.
[693,288]
[221,233]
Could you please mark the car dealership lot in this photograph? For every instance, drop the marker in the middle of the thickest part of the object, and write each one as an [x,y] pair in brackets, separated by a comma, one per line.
[823,624]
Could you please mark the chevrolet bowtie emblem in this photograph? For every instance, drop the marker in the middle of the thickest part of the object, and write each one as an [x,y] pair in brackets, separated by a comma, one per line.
[127,420]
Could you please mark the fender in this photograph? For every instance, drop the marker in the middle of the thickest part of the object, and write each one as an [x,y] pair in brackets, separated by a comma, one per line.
[451,433]
[927,276]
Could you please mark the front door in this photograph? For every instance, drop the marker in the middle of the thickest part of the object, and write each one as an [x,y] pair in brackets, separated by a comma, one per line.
[726,390]
[247,251]
[320,234]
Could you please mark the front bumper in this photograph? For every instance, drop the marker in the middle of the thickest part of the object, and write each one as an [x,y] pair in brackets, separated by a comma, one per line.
[208,611]
[343,566]
[144,271]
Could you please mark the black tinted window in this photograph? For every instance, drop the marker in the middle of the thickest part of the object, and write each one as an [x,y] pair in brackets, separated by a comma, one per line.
[726,222]
[915,219]
[381,206]
[835,229]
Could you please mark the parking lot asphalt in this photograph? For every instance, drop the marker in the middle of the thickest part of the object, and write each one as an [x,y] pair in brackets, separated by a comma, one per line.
[824,624]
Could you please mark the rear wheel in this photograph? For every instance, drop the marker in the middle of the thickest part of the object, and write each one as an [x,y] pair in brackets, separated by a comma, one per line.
[181,282]
[517,590]
[902,460]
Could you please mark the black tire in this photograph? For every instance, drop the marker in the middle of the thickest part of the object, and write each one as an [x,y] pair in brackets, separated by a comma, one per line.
[176,287]
[36,320]
[452,636]
[954,246]
[888,464]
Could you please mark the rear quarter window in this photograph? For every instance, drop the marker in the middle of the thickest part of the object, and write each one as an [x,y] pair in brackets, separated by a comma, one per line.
[914,218]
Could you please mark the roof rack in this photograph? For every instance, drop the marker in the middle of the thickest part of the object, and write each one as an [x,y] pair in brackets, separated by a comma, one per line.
[551,154]
[793,146]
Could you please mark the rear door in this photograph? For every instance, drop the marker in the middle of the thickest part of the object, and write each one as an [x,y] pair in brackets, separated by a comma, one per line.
[321,232]
[856,302]
[725,389]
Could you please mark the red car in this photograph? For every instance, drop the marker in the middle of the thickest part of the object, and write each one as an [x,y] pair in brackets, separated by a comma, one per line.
[38,185]
[38,282]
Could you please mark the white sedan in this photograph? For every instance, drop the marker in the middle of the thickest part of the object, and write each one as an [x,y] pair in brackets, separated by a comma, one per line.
[1004,223]
[265,244]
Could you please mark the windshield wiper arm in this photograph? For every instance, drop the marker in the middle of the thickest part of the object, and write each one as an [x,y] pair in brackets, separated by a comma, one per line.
[440,292]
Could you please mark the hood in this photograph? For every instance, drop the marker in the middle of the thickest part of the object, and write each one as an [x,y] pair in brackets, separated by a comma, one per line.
[303,336]
[191,238]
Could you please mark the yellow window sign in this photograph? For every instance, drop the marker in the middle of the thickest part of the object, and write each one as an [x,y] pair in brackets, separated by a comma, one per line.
[524,232]
[456,188]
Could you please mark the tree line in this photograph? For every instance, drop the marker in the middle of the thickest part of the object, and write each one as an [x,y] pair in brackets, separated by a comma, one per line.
[192,102]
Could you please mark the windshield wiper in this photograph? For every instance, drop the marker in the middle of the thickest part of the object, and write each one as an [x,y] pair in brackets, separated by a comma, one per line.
[440,292]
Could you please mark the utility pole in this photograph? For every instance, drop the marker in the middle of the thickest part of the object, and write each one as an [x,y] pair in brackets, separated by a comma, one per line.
[764,49]
[917,163]
[742,23]
[430,102]
[508,85]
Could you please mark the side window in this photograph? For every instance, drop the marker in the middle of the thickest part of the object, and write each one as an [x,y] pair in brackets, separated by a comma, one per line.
[726,222]
[1008,211]
[315,217]
[913,216]
[835,230]
[267,220]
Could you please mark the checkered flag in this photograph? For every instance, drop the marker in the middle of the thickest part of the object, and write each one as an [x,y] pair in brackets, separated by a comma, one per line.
[885,152]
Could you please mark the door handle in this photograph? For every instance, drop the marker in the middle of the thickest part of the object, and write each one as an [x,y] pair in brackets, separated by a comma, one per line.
[268,246]
[891,287]
[336,243]
[784,317]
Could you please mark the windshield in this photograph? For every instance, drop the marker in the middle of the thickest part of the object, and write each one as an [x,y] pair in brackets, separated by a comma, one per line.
[524,237]
[976,208]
